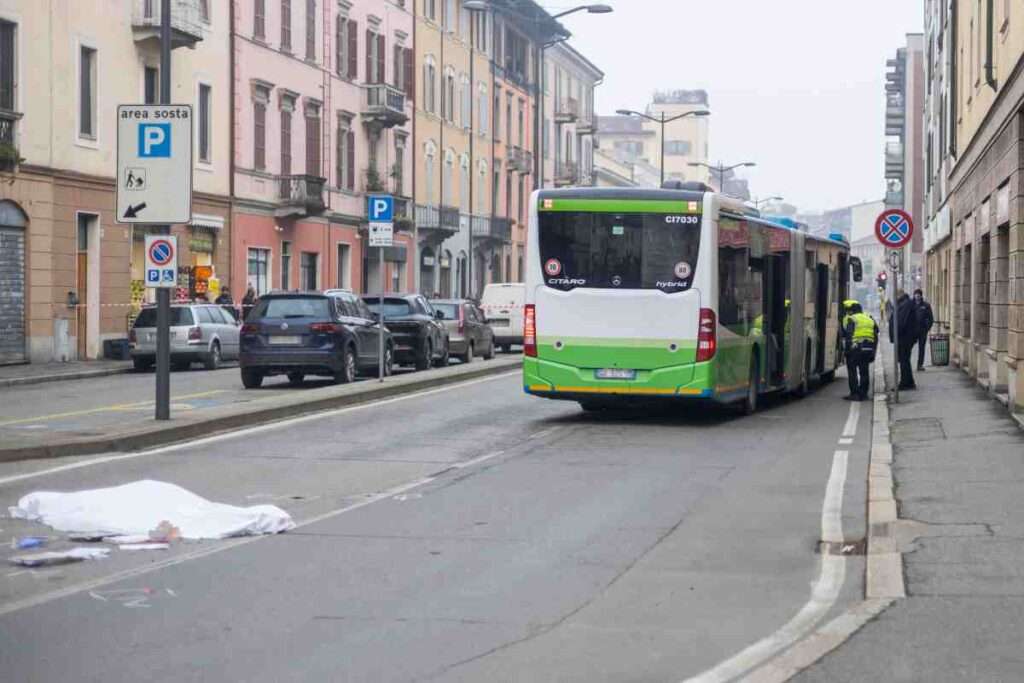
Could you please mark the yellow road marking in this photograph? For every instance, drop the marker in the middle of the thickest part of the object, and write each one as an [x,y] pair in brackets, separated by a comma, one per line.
[90,411]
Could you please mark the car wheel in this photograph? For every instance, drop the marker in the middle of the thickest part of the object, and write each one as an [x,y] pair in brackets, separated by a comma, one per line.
[445,358]
[142,364]
[212,360]
[389,360]
[489,355]
[252,379]
[468,356]
[805,386]
[347,373]
[424,359]
[296,378]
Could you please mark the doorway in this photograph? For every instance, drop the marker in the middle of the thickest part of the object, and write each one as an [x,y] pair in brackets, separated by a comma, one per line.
[87,313]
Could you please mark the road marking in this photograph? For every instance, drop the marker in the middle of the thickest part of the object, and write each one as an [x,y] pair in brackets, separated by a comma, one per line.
[247,431]
[540,434]
[845,442]
[477,461]
[851,422]
[104,409]
[823,594]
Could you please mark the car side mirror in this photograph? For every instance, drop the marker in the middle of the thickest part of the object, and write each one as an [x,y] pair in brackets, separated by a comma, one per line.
[858,268]
[375,317]
[439,315]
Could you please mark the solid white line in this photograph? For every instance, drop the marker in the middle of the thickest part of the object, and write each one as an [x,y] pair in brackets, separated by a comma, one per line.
[823,594]
[540,434]
[477,461]
[845,442]
[851,422]
[247,431]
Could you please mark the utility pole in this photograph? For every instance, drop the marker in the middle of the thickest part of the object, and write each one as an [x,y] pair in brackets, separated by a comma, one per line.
[163,294]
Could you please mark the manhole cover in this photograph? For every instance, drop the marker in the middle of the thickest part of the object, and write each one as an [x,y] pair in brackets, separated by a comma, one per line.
[917,429]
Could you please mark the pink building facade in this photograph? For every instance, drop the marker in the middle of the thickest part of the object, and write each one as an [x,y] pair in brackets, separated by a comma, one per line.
[322,117]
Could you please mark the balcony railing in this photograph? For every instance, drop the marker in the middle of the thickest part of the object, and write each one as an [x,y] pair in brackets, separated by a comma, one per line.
[492,228]
[384,105]
[568,110]
[567,173]
[300,195]
[519,159]
[442,218]
[9,139]
[586,125]
[186,21]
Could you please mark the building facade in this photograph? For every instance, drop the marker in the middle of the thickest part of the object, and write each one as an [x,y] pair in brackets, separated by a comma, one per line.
[322,102]
[72,275]
[569,122]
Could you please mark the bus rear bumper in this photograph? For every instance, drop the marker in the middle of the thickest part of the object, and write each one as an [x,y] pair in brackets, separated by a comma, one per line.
[690,381]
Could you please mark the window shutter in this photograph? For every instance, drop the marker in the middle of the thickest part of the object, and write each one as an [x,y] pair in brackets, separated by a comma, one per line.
[286,142]
[397,66]
[381,60]
[353,50]
[351,180]
[410,75]
[313,145]
[339,45]
[259,136]
[369,58]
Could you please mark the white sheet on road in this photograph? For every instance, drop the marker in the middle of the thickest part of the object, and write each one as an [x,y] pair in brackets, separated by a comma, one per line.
[140,506]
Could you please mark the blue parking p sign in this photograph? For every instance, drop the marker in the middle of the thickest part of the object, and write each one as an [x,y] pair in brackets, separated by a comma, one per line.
[381,208]
[154,140]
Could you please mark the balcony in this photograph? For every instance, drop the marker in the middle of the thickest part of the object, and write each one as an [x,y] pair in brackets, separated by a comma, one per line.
[9,156]
[567,111]
[492,228]
[300,195]
[442,220]
[567,174]
[186,22]
[518,159]
[384,106]
[586,125]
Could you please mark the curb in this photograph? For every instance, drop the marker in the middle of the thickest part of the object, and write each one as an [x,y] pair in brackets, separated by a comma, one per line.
[247,415]
[42,379]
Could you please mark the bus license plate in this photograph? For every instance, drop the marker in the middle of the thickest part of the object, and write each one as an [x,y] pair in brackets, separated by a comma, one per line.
[615,373]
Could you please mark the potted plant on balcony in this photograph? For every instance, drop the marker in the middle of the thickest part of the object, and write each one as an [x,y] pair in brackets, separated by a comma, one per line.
[10,157]
[374,180]
[395,173]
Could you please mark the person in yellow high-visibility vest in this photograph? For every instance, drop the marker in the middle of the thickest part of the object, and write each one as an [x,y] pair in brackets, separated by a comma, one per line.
[860,332]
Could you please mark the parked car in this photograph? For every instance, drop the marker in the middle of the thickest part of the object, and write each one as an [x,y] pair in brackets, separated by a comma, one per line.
[302,334]
[199,333]
[469,335]
[420,337]
[502,303]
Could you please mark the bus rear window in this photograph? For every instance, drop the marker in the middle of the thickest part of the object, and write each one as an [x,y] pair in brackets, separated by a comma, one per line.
[619,251]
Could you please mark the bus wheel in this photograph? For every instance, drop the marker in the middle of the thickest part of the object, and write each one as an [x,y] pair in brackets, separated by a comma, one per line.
[829,377]
[749,404]
[589,407]
[805,386]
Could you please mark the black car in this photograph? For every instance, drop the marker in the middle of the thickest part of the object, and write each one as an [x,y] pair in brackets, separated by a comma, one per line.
[332,334]
[420,337]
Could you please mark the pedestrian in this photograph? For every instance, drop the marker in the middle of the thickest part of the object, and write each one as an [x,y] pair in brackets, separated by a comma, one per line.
[248,301]
[904,323]
[860,334]
[225,301]
[925,320]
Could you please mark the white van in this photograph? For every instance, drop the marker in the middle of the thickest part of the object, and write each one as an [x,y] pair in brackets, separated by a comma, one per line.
[502,303]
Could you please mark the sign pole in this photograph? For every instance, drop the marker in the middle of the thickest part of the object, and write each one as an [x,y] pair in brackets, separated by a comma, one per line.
[380,210]
[894,229]
[163,294]
[380,337]
[896,338]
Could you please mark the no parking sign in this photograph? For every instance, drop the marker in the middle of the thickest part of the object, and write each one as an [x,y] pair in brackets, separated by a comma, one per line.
[161,260]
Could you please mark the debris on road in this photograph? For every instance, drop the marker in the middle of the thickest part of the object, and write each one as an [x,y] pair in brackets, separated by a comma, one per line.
[48,559]
[140,507]
[144,546]
[126,540]
[28,542]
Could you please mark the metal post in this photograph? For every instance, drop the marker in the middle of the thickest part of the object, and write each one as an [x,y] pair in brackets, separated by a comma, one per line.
[662,149]
[163,294]
[472,162]
[895,338]
[380,336]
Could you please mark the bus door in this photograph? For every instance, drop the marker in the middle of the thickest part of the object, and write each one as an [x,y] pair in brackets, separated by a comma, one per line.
[777,315]
[821,316]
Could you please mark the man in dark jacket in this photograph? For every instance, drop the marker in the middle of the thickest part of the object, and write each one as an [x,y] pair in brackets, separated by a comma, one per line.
[925,320]
[905,324]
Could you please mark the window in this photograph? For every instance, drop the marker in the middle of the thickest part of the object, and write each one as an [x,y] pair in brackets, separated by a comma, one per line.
[398,168]
[630,147]
[519,208]
[204,11]
[448,95]
[259,118]
[678,148]
[449,177]
[508,117]
[259,19]
[398,66]
[374,56]
[309,275]
[344,266]
[508,195]
[497,113]
[449,15]
[150,85]
[8,66]
[286,25]
[346,172]
[430,84]
[286,265]
[287,106]
[481,184]
[522,105]
[205,316]
[482,108]
[259,274]
[311,30]
[546,135]
[397,270]
[204,123]
[83,231]
[466,97]
[430,154]
[87,92]
[464,184]
[430,9]
[480,31]
[734,291]
[465,24]
[313,139]
[341,45]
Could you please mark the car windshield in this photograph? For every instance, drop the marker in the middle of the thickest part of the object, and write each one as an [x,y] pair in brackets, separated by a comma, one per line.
[292,307]
[393,308]
[181,316]
[448,311]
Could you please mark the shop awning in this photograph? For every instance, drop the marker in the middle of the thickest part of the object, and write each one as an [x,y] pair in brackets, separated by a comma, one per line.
[202,220]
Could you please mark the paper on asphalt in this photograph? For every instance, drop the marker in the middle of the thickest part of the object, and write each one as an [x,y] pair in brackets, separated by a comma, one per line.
[138,507]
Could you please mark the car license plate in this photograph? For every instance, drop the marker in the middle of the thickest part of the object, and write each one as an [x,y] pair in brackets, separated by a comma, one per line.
[284,339]
[499,323]
[615,373]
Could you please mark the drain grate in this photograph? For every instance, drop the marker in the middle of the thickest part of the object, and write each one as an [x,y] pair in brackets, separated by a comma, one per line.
[917,429]
[844,548]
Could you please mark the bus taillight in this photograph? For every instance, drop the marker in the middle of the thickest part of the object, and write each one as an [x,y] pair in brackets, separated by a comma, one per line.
[530,331]
[707,339]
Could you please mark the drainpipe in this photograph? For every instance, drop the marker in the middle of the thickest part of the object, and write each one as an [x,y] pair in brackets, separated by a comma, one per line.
[990,77]
[231,145]
[952,77]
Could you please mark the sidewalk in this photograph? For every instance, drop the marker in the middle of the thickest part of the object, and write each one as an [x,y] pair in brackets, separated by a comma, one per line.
[36,373]
[959,472]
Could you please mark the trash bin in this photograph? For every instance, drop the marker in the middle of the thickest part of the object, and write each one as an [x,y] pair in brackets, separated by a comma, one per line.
[116,349]
[940,348]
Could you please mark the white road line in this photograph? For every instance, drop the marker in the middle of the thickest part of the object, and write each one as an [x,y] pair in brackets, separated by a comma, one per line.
[247,431]
[845,442]
[823,594]
[477,461]
[540,434]
[851,422]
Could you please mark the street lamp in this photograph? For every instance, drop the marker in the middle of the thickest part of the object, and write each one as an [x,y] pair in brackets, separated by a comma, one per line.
[759,202]
[662,120]
[722,170]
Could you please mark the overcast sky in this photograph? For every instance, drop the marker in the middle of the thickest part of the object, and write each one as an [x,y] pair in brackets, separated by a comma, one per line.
[794,85]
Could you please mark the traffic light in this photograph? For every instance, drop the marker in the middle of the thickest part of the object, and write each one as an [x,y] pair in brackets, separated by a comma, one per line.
[883,278]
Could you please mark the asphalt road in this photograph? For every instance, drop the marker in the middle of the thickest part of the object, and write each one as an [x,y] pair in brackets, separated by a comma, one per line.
[471,533]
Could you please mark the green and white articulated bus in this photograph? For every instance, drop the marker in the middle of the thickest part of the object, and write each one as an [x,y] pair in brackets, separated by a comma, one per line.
[676,294]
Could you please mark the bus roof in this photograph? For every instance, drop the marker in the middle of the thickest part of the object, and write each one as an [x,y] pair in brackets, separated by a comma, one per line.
[635,193]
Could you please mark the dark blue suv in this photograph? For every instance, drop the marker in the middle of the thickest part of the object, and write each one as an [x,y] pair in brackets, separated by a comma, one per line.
[332,334]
